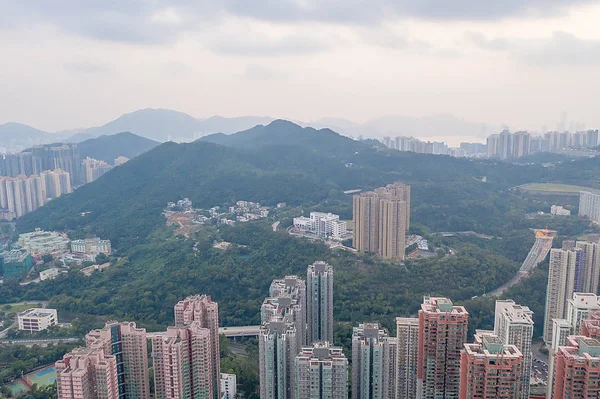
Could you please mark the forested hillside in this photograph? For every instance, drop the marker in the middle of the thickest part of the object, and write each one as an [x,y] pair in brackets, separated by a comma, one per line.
[107,148]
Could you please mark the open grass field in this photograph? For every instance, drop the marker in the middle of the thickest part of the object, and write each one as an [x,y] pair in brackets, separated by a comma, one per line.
[17,387]
[555,188]
[20,307]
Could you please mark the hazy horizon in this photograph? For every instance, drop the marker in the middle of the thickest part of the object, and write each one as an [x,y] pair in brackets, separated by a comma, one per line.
[518,63]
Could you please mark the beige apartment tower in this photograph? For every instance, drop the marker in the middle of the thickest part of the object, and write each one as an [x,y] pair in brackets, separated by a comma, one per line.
[381,220]
[407,333]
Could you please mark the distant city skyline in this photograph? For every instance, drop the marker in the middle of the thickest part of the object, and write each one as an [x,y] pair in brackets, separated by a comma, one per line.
[517,63]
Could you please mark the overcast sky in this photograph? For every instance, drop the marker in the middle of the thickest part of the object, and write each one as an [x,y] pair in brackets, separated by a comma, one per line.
[79,63]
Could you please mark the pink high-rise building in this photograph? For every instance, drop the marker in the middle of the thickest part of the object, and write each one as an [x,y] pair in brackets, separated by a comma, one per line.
[489,369]
[577,369]
[87,373]
[182,359]
[442,333]
[128,344]
[200,308]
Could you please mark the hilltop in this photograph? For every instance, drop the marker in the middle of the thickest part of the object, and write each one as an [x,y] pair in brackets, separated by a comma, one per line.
[107,148]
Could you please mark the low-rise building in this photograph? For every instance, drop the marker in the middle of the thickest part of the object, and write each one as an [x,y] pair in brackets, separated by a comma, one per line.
[49,274]
[40,242]
[15,263]
[37,319]
[559,211]
[228,386]
[323,225]
[91,247]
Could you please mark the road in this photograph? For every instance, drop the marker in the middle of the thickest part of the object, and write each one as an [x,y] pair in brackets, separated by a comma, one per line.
[242,331]
[275,225]
[539,366]
[40,342]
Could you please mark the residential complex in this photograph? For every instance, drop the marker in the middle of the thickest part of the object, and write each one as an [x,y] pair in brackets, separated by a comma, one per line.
[319,302]
[558,210]
[21,194]
[442,334]
[407,334]
[278,347]
[574,268]
[128,345]
[514,326]
[93,169]
[576,369]
[40,242]
[490,369]
[228,386]
[87,373]
[321,371]
[201,309]
[373,374]
[15,263]
[287,298]
[589,205]
[37,319]
[89,248]
[381,220]
[322,225]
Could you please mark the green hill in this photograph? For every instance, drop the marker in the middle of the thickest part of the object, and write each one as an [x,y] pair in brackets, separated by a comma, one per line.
[107,148]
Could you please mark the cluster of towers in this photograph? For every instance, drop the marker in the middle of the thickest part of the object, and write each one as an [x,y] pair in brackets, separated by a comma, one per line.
[114,363]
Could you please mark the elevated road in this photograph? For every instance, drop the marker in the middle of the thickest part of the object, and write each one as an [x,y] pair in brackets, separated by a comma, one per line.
[40,342]
[241,331]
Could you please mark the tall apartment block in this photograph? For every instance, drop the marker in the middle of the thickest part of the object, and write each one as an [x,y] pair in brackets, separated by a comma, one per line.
[87,373]
[202,309]
[381,220]
[579,308]
[128,345]
[561,330]
[319,302]
[277,347]
[407,334]
[182,359]
[442,333]
[288,298]
[591,260]
[373,371]
[576,369]
[490,369]
[561,284]
[321,371]
[514,326]
[589,205]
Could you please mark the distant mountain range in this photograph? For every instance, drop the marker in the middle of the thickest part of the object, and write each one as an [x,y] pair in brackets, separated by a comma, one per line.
[167,125]
[108,147]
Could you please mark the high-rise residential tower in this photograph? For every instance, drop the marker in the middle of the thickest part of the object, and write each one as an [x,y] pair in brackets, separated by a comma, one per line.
[182,359]
[288,296]
[321,371]
[319,302]
[589,205]
[277,347]
[490,369]
[373,373]
[202,309]
[591,265]
[514,326]
[561,285]
[87,373]
[407,333]
[442,333]
[576,369]
[381,220]
[128,345]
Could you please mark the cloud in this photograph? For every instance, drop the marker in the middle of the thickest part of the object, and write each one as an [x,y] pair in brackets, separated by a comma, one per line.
[561,48]
[161,21]
[264,45]
[260,72]
[87,67]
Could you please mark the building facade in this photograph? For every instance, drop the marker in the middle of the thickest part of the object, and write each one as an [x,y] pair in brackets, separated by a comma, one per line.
[87,373]
[201,309]
[228,386]
[589,205]
[277,348]
[37,319]
[128,345]
[321,371]
[514,326]
[319,302]
[576,369]
[490,369]
[373,372]
[407,333]
[442,333]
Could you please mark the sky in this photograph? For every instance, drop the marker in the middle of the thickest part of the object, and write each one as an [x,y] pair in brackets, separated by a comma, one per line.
[79,63]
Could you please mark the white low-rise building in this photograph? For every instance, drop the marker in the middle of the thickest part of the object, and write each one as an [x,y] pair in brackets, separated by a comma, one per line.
[49,274]
[37,319]
[40,242]
[323,225]
[559,211]
[91,247]
[228,386]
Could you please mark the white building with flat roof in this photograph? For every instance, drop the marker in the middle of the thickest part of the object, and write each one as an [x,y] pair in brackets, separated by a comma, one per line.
[228,386]
[559,211]
[323,225]
[37,319]
[49,274]
[40,242]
